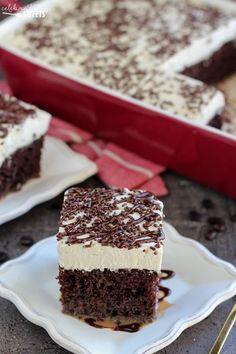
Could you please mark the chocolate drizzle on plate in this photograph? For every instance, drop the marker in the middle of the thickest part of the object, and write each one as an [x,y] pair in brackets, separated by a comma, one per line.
[127,327]
[92,322]
[166,274]
[164,291]
[132,326]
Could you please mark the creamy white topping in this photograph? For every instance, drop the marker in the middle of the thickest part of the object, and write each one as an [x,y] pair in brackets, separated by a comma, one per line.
[183,96]
[87,241]
[25,133]
[202,48]
[76,256]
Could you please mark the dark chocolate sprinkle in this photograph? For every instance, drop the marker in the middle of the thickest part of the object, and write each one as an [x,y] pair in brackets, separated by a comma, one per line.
[26,241]
[194,215]
[207,204]
[218,227]
[210,235]
[94,214]
[217,223]
[57,205]
[233,217]
[3,257]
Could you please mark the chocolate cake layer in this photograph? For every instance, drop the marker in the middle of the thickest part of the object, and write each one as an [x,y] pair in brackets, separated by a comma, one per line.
[217,67]
[20,167]
[121,295]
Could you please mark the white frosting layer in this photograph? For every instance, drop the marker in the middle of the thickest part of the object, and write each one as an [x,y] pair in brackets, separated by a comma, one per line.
[215,106]
[23,134]
[184,96]
[203,48]
[97,256]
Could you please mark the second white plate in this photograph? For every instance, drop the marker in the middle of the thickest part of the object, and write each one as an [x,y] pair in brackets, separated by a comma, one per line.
[61,167]
[202,281]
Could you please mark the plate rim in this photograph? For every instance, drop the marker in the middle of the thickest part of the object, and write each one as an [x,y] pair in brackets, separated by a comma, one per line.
[206,310]
[182,324]
[89,170]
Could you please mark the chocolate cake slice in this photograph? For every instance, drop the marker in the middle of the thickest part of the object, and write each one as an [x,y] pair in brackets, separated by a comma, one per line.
[22,129]
[110,252]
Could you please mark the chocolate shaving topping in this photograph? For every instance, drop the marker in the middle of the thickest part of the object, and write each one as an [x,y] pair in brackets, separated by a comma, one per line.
[122,45]
[12,112]
[117,218]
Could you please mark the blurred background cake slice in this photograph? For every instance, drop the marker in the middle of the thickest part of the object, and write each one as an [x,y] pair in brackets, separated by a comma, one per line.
[22,130]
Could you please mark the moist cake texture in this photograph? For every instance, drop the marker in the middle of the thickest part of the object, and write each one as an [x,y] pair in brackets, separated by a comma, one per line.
[118,295]
[22,128]
[136,50]
[110,253]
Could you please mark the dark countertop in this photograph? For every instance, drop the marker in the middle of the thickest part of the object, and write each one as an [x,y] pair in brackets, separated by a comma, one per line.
[19,336]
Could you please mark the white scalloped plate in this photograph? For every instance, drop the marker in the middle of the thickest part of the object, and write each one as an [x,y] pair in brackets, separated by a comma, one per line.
[61,167]
[202,282]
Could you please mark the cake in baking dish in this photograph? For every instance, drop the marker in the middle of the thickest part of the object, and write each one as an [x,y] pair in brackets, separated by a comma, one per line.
[161,52]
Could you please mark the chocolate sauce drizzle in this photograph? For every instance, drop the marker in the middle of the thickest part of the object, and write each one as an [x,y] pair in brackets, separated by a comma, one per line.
[166,292]
[164,275]
[107,216]
[129,327]
[134,326]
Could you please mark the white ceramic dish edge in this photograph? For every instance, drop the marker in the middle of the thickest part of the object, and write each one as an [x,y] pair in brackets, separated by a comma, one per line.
[210,306]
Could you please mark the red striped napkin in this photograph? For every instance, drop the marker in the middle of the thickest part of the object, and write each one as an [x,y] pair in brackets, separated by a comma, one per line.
[117,167]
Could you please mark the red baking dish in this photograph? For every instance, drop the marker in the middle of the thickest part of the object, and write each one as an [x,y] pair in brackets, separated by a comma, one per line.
[201,153]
